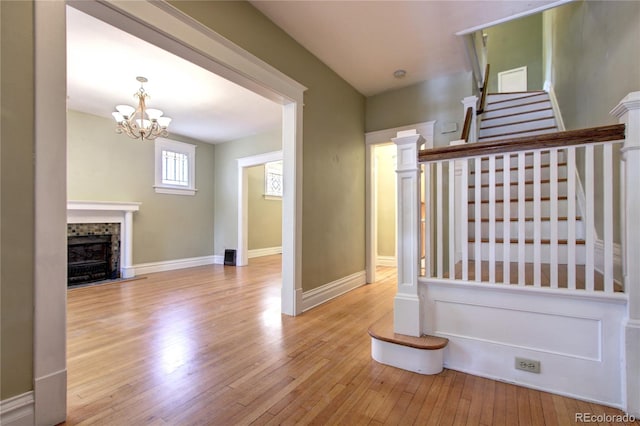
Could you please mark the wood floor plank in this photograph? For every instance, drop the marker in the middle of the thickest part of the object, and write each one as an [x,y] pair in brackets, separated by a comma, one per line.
[208,345]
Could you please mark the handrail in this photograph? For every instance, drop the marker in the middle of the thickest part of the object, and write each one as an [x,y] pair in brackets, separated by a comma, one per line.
[466,128]
[485,89]
[550,140]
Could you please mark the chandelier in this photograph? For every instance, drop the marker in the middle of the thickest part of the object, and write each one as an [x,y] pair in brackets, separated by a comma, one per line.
[150,123]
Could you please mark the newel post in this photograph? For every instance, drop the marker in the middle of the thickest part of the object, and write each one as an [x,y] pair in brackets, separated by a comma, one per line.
[628,112]
[407,304]
[471,102]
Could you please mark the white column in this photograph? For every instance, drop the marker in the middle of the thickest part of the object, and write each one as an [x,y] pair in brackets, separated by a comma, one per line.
[407,306]
[471,102]
[628,112]
[126,270]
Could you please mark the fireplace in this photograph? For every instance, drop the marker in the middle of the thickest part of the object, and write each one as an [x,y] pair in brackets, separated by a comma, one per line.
[89,259]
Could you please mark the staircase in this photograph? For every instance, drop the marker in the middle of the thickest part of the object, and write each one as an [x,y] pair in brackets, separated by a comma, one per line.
[514,115]
[510,116]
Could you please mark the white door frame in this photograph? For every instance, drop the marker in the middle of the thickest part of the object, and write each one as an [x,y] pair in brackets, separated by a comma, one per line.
[242,258]
[426,129]
[163,25]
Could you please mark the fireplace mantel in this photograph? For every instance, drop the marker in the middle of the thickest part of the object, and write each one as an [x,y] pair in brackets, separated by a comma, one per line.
[109,212]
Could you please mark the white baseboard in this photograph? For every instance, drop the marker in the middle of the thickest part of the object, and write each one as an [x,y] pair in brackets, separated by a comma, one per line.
[268,251]
[386,261]
[322,294]
[50,394]
[170,265]
[18,410]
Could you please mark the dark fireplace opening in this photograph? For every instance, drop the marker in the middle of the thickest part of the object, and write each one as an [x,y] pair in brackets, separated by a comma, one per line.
[89,259]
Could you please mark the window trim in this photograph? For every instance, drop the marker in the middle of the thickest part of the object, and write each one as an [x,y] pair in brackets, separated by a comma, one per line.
[162,144]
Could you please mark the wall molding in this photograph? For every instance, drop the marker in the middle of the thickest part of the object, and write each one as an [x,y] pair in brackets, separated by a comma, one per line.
[580,349]
[548,87]
[387,261]
[18,410]
[326,292]
[267,251]
[170,265]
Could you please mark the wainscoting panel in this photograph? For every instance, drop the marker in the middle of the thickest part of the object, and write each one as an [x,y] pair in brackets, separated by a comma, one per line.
[577,338]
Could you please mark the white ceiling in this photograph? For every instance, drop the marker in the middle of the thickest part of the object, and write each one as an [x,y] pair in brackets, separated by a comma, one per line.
[366,41]
[103,63]
[362,41]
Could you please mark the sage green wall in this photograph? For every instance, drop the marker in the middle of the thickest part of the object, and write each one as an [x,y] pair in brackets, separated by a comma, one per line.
[226,183]
[516,44]
[594,58]
[437,99]
[17,209]
[333,207]
[386,199]
[264,215]
[594,64]
[105,166]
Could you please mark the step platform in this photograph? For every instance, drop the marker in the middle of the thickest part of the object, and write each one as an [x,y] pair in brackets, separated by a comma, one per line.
[423,355]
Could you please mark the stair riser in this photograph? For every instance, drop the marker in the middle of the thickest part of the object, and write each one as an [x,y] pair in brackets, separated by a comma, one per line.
[518,127]
[518,135]
[513,254]
[516,110]
[515,118]
[545,173]
[545,191]
[563,230]
[513,208]
[490,106]
[495,97]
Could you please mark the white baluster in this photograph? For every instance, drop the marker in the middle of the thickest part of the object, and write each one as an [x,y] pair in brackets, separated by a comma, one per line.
[537,222]
[521,218]
[506,218]
[439,221]
[607,167]
[452,220]
[478,220]
[589,213]
[571,218]
[553,217]
[492,219]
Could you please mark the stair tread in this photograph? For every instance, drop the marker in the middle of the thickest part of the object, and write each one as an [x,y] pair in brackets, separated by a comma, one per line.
[517,133]
[508,107]
[560,198]
[526,96]
[551,117]
[484,120]
[527,219]
[383,330]
[544,241]
[528,182]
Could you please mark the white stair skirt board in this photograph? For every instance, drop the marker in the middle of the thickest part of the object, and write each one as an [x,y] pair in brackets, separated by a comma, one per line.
[17,410]
[170,265]
[422,361]
[267,251]
[324,293]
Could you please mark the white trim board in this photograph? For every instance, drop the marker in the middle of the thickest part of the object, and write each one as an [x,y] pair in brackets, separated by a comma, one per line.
[267,251]
[170,265]
[18,410]
[326,292]
[387,261]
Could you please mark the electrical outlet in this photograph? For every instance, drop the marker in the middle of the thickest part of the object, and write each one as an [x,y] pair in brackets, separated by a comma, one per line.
[529,365]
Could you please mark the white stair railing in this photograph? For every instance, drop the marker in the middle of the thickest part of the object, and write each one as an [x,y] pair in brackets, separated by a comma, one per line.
[520,224]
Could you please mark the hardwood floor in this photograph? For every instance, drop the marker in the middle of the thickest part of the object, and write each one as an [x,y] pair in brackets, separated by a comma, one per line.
[208,346]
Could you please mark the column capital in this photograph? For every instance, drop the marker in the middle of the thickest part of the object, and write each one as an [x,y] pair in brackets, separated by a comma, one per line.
[628,103]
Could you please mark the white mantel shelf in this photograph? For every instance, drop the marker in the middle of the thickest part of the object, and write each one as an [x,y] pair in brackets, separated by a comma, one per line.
[104,205]
[109,212]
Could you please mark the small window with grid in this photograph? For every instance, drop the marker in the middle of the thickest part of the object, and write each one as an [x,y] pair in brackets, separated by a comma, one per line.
[273,179]
[175,167]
